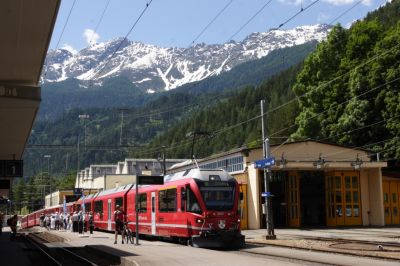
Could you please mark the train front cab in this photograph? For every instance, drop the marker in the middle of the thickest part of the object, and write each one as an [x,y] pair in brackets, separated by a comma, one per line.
[218,195]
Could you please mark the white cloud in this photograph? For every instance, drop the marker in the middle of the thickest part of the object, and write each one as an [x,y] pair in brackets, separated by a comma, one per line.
[291,2]
[69,48]
[347,2]
[91,36]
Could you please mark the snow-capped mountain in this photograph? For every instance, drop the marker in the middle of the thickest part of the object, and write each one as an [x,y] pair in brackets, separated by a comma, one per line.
[154,68]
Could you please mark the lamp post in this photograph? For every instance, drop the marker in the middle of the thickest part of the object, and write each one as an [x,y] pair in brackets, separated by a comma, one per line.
[48,174]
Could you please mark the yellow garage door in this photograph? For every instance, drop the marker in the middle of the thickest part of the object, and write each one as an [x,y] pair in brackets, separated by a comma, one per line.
[343,203]
[391,204]
[243,206]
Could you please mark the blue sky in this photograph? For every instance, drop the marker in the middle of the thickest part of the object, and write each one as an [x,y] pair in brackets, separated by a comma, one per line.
[177,23]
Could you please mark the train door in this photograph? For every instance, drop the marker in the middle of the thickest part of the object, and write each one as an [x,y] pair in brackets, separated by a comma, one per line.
[109,214]
[243,206]
[293,199]
[153,213]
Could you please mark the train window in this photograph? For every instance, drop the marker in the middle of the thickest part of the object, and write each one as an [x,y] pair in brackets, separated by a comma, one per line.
[183,199]
[217,195]
[119,201]
[88,207]
[167,200]
[192,204]
[98,208]
[143,202]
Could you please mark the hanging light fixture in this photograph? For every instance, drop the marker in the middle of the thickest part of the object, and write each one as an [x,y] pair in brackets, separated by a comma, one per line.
[320,162]
[282,162]
[357,163]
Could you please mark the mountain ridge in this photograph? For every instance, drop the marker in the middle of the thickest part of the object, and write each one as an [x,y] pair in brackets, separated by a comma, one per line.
[152,68]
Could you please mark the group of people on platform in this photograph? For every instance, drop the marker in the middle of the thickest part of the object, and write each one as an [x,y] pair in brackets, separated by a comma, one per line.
[75,222]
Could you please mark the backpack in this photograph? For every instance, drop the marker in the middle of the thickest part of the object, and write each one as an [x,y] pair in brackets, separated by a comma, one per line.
[9,221]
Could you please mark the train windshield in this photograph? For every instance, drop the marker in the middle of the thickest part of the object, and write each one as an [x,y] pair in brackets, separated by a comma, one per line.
[217,195]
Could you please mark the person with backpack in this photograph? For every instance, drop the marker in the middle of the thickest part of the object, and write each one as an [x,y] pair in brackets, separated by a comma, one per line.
[119,218]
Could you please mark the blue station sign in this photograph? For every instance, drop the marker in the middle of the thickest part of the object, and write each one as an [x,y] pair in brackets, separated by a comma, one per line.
[266,194]
[265,162]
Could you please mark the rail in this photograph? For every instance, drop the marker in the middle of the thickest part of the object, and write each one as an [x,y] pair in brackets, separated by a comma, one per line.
[38,243]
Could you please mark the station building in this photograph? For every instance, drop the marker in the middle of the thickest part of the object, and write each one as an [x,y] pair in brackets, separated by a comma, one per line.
[107,176]
[56,198]
[313,184]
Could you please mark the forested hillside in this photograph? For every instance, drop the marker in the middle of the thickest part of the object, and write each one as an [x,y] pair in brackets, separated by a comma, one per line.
[235,122]
[349,87]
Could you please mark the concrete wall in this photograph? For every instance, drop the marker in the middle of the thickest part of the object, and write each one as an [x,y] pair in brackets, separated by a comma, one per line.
[365,201]
[376,197]
[113,181]
[253,201]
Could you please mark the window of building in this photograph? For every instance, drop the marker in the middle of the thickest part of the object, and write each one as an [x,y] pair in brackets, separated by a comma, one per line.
[233,164]
[167,200]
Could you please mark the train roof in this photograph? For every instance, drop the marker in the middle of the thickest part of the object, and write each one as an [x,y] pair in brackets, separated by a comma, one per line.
[196,173]
[114,190]
[201,174]
[90,196]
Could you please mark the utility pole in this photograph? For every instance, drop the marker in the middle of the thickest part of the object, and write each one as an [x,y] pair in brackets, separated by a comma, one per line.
[122,124]
[84,117]
[48,174]
[267,177]
[77,157]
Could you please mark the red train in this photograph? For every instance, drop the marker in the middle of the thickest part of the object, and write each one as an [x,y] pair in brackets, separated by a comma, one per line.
[196,206]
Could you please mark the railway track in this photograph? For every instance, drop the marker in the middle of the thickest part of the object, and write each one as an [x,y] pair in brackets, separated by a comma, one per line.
[57,255]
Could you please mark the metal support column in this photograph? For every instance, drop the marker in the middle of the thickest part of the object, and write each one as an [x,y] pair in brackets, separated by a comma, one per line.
[267,178]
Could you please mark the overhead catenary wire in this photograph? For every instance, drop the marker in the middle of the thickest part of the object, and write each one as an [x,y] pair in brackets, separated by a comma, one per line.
[96,74]
[345,12]
[249,20]
[344,102]
[61,34]
[211,22]
[335,19]
[100,20]
[298,13]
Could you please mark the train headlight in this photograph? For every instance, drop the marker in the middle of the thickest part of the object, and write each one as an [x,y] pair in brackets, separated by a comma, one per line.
[221,224]
[199,221]
[238,220]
